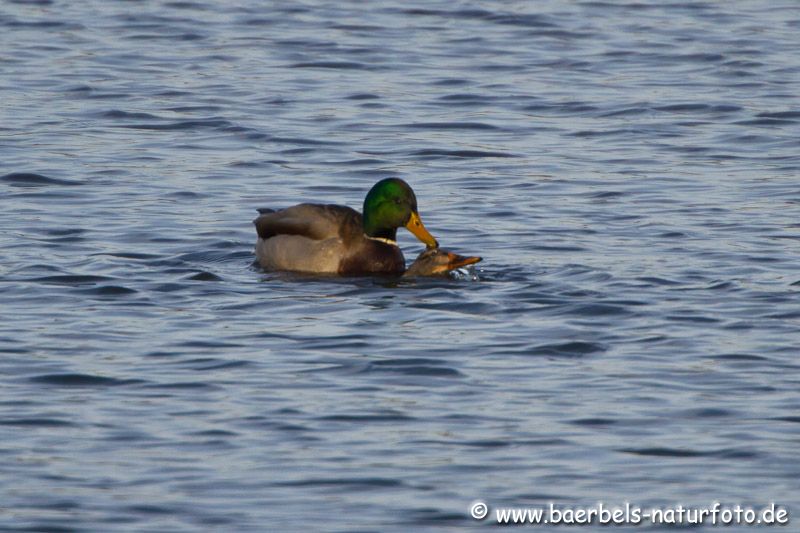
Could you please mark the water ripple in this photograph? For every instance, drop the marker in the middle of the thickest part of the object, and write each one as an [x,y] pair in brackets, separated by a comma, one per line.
[81,380]
[627,170]
[28,179]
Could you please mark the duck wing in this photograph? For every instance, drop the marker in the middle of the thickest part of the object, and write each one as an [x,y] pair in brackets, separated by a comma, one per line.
[315,221]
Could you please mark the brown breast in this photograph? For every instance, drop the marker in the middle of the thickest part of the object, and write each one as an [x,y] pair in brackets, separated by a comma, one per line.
[372,257]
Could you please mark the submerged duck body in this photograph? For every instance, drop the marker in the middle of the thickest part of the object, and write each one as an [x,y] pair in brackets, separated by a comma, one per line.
[335,239]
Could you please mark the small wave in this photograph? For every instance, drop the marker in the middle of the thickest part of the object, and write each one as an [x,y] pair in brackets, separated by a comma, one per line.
[72,279]
[738,357]
[693,319]
[699,57]
[708,412]
[358,162]
[625,112]
[336,65]
[481,443]
[506,19]
[602,133]
[522,20]
[780,114]
[426,516]
[567,349]
[415,366]
[567,108]
[664,452]
[383,417]
[110,290]
[460,153]
[216,365]
[792,419]
[35,422]
[303,141]
[592,422]
[364,483]
[63,235]
[604,195]
[130,255]
[464,99]
[200,124]
[29,179]
[150,509]
[209,344]
[653,280]
[597,310]
[363,96]
[42,24]
[186,36]
[450,126]
[118,114]
[81,380]
[182,385]
[765,122]
[558,248]
[64,232]
[683,108]
[451,82]
[204,276]
[789,315]
[726,453]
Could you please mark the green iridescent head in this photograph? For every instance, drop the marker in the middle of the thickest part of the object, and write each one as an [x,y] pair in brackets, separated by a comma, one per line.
[389,205]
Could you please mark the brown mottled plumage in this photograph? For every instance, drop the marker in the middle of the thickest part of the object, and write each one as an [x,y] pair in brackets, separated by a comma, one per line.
[438,262]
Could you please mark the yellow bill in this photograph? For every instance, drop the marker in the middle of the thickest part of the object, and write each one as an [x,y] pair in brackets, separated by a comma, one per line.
[415,226]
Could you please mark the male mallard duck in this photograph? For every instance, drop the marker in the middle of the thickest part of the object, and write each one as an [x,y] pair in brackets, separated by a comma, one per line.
[437,262]
[338,240]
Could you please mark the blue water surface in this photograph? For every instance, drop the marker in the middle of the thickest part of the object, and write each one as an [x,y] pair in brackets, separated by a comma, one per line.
[630,172]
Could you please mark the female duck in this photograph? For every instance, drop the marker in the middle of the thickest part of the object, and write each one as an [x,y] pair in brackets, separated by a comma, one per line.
[438,262]
[336,239]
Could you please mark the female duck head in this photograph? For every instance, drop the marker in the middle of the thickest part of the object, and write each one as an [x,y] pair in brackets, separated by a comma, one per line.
[438,262]
[390,204]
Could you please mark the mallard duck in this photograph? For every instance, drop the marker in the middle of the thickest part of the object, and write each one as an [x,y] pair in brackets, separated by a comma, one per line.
[336,239]
[437,262]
